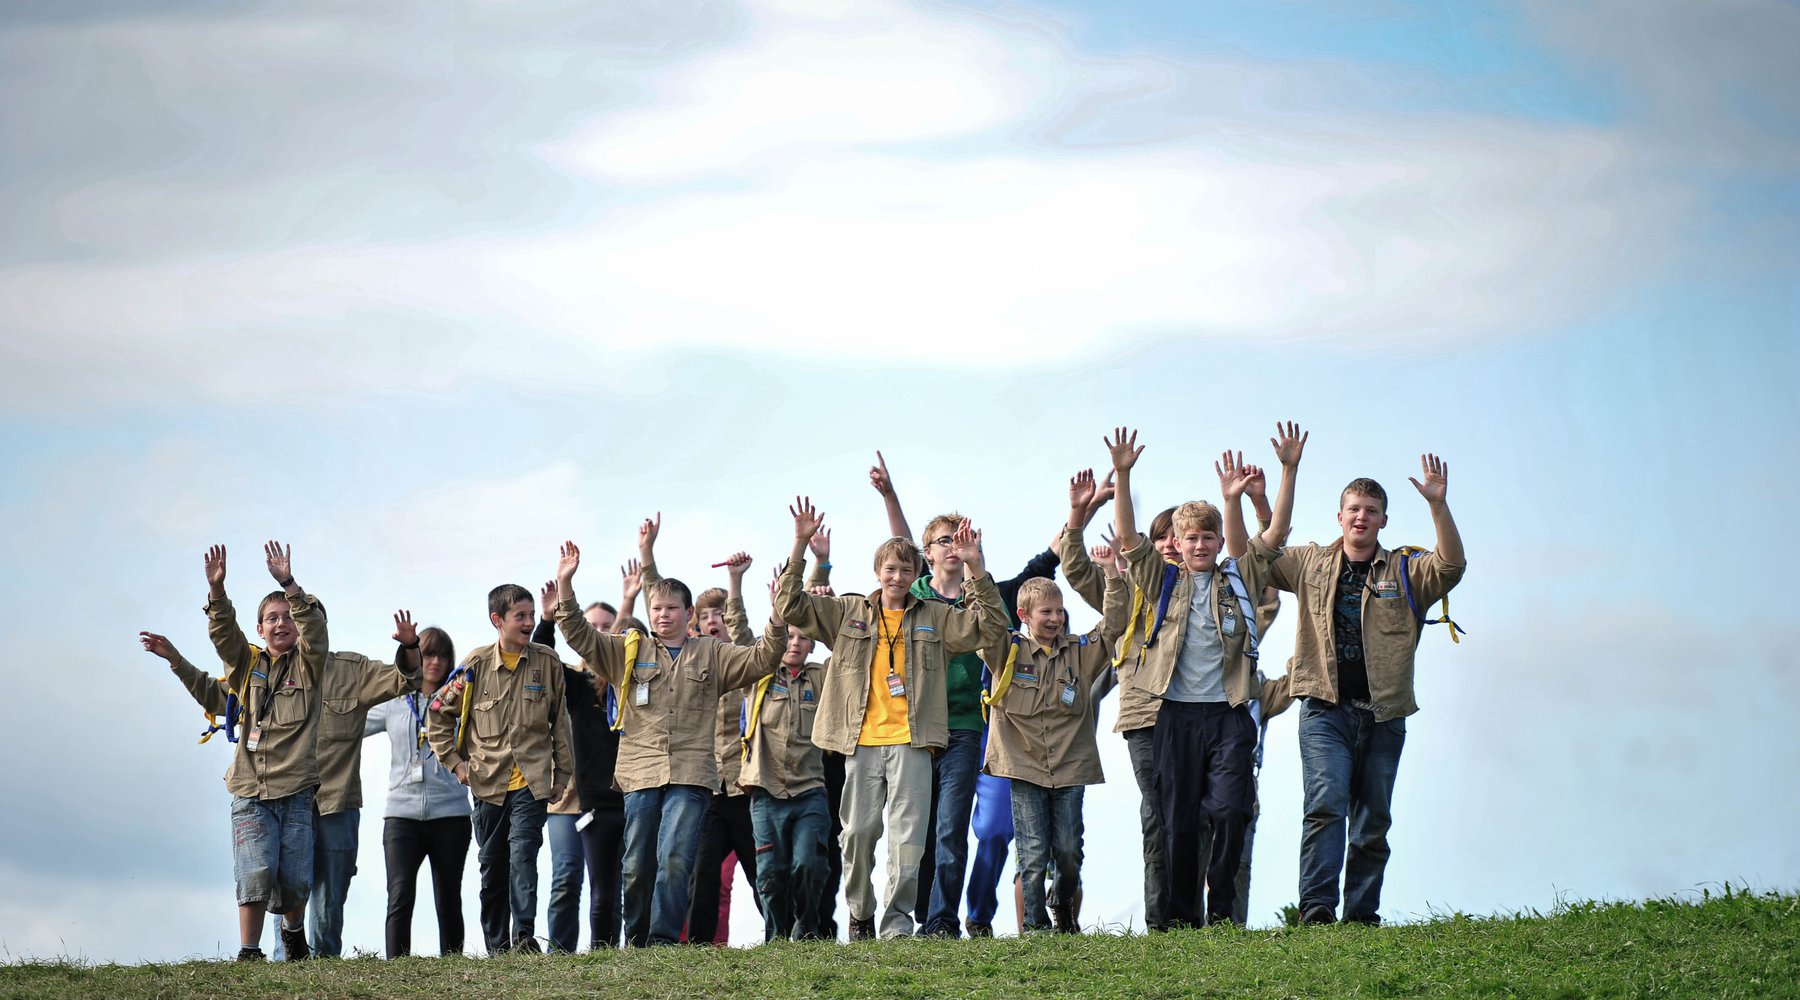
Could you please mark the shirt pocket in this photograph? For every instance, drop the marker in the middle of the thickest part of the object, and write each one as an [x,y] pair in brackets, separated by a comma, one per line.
[928,646]
[289,707]
[805,713]
[340,721]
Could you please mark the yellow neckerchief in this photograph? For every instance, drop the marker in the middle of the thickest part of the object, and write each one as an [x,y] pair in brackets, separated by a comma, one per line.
[1004,681]
[1414,550]
[762,688]
[212,720]
[468,695]
[1140,610]
[633,639]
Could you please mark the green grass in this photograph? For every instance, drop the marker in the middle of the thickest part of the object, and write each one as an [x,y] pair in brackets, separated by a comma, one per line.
[1732,945]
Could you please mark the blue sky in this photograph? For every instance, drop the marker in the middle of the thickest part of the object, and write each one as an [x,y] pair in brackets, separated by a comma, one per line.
[425,290]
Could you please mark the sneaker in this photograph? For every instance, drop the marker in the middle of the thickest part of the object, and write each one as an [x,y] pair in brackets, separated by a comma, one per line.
[862,930]
[293,941]
[527,946]
[980,930]
[250,954]
[1318,914]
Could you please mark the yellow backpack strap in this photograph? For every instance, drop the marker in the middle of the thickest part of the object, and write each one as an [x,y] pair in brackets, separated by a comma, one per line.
[232,706]
[1004,681]
[762,688]
[633,639]
[1131,627]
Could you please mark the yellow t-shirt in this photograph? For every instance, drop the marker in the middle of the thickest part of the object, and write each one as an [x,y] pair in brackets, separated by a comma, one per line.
[884,724]
[511,662]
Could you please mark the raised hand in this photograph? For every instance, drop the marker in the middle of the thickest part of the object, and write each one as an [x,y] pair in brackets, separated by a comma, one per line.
[1437,478]
[1081,490]
[547,599]
[821,542]
[1255,486]
[281,561]
[774,616]
[647,533]
[967,543]
[405,632]
[879,478]
[1232,475]
[160,645]
[215,568]
[1103,492]
[633,576]
[806,519]
[1289,443]
[822,590]
[1124,450]
[1105,558]
[736,564]
[567,562]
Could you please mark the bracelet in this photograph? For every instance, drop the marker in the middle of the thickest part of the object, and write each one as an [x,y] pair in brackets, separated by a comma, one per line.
[285,584]
[824,564]
[412,645]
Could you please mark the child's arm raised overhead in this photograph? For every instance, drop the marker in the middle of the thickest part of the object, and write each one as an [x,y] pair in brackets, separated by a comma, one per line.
[221,624]
[1434,489]
[1083,577]
[817,616]
[737,619]
[603,655]
[821,549]
[647,533]
[1234,478]
[1125,452]
[632,581]
[981,623]
[884,485]
[1289,444]
[314,645]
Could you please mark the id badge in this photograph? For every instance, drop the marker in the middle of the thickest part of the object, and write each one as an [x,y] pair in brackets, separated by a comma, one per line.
[415,775]
[642,697]
[586,818]
[896,686]
[252,741]
[1068,695]
[1228,625]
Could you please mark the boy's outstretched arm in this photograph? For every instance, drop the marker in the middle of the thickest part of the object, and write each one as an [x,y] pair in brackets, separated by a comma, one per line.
[647,533]
[737,619]
[631,577]
[1434,489]
[314,645]
[222,626]
[817,616]
[604,655]
[884,485]
[1289,443]
[207,690]
[1234,478]
[1083,577]
[1125,451]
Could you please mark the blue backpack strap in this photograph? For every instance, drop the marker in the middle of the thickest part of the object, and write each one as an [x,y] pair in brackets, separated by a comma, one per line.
[1407,553]
[1170,576]
[1246,607]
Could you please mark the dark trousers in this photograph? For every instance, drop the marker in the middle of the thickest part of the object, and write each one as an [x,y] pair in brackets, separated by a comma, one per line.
[407,843]
[1203,773]
[603,845]
[834,852]
[507,839]
[726,830]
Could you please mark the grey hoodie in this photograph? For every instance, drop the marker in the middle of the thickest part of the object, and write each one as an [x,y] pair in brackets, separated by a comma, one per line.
[436,794]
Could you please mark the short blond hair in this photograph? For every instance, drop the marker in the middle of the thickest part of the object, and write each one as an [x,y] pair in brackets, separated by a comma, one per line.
[901,549]
[1036,589]
[711,597]
[1197,515]
[950,523]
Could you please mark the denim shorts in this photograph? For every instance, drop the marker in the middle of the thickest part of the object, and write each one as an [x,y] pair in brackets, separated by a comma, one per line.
[272,850]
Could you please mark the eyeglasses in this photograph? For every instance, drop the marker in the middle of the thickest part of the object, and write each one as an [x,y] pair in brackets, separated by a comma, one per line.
[946,541]
[277,619]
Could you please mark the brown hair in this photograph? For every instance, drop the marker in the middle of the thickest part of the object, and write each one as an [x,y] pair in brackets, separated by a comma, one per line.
[435,641]
[1197,515]
[628,623]
[502,598]
[900,548]
[711,597]
[603,606]
[274,595]
[952,520]
[1368,488]
[670,585]
[1162,524]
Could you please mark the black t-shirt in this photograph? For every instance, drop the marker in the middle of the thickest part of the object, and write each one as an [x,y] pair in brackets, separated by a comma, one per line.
[1346,612]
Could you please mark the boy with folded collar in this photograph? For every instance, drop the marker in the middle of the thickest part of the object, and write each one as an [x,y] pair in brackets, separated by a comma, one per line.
[1041,736]
[669,685]
[1199,661]
[884,703]
[502,727]
[274,774]
[1361,609]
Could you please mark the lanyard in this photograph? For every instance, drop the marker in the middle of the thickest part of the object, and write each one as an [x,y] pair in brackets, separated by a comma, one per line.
[412,702]
[262,708]
[892,640]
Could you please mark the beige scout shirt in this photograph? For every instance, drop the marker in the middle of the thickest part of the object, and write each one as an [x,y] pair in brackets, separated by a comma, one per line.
[515,718]
[935,632]
[1138,707]
[1390,630]
[1159,655]
[728,748]
[353,684]
[1033,735]
[783,761]
[285,761]
[669,710]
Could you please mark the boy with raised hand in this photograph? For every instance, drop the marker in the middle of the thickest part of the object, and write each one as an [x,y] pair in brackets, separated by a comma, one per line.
[1361,608]
[784,774]
[1041,736]
[669,685]
[501,726]
[275,773]
[1199,661]
[884,703]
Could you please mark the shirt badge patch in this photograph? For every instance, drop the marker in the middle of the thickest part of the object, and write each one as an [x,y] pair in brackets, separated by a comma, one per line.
[857,624]
[1387,588]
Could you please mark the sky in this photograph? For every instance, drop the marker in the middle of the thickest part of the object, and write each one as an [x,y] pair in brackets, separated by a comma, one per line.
[424,289]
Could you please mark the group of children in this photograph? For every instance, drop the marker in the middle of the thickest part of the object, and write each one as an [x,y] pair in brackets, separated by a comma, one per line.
[946,696]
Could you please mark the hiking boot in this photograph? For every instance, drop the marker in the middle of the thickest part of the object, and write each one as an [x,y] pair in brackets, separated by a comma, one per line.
[1064,915]
[977,930]
[293,941]
[527,945]
[862,930]
[250,953]
[1318,914]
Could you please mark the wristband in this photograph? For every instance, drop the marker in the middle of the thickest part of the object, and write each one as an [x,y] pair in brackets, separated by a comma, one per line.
[410,645]
[285,584]
[824,564]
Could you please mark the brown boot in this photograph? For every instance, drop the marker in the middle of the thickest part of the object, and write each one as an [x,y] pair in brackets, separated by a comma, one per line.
[1064,916]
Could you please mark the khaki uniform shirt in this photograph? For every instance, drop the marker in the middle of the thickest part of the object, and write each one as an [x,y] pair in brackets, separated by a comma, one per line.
[285,761]
[1033,736]
[1390,629]
[1162,650]
[669,711]
[934,631]
[1137,705]
[515,718]
[782,759]
[353,684]
[728,746]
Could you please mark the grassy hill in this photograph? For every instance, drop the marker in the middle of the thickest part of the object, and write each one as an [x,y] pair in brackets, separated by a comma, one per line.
[1734,945]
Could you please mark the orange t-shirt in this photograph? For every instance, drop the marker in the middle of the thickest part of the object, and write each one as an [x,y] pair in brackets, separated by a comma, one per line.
[884,724]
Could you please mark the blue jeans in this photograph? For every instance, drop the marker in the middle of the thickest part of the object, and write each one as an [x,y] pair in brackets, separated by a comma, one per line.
[1348,762]
[993,825]
[334,861]
[791,865]
[1046,826]
[566,865]
[272,850]
[957,767]
[662,835]
[507,839]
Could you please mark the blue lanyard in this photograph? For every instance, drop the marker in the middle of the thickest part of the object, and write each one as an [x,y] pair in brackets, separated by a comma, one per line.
[412,702]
